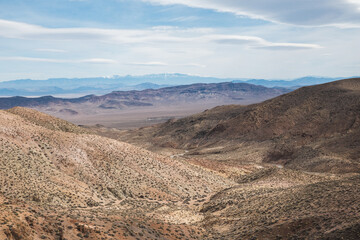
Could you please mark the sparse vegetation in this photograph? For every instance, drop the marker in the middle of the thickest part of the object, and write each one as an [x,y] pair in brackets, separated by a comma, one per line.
[60,181]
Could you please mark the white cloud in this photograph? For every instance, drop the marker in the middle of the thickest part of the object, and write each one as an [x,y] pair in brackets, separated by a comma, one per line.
[32,59]
[289,46]
[256,42]
[149,64]
[51,60]
[50,50]
[297,12]
[356,2]
[159,35]
[196,65]
[185,19]
[256,51]
[19,30]
[163,64]
[98,60]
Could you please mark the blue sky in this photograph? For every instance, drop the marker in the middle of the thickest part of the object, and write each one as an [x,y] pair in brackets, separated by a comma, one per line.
[273,39]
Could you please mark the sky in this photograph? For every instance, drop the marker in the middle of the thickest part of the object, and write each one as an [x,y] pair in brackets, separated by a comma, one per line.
[272,39]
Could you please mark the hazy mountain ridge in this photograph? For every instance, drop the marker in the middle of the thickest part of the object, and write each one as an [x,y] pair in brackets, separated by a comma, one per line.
[296,83]
[139,106]
[152,96]
[102,85]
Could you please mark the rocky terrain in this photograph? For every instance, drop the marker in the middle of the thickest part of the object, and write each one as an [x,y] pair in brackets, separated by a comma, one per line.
[286,168]
[295,159]
[286,205]
[314,128]
[53,174]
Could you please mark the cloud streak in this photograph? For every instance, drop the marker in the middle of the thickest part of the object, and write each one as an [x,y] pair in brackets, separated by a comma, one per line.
[256,42]
[50,50]
[149,64]
[297,12]
[164,64]
[158,35]
[52,60]
[32,59]
[98,61]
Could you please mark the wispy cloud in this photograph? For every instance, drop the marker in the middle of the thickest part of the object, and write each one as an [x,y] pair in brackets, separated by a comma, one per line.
[185,19]
[32,59]
[98,60]
[19,30]
[297,12]
[159,35]
[149,64]
[50,50]
[52,60]
[256,42]
[221,38]
[164,64]
[288,46]
[196,65]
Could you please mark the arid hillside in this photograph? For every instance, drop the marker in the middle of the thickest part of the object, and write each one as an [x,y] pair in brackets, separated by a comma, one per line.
[48,163]
[295,159]
[314,128]
[286,204]
[60,181]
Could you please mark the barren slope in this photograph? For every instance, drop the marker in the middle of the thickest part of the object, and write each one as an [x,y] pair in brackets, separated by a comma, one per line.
[313,128]
[49,163]
[284,205]
[58,181]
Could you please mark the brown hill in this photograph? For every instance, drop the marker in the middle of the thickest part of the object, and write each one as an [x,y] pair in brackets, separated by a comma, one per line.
[314,128]
[57,182]
[284,206]
[100,169]
[58,168]
[46,121]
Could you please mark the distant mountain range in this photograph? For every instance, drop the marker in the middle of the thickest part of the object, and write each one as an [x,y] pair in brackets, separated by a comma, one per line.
[163,103]
[293,84]
[220,93]
[103,85]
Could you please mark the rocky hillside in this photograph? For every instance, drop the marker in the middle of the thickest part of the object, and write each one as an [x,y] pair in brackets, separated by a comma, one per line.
[59,181]
[49,163]
[313,128]
[96,169]
[283,204]
[46,121]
